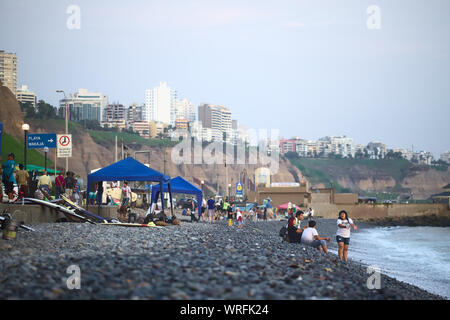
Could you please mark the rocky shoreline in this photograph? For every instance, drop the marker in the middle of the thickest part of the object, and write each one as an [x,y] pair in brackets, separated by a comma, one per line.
[425,220]
[191,261]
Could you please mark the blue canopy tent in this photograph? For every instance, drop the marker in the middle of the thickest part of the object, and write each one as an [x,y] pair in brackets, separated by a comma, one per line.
[179,185]
[128,169]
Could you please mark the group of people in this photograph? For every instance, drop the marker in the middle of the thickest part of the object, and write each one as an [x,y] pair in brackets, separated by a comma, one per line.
[212,210]
[69,185]
[309,235]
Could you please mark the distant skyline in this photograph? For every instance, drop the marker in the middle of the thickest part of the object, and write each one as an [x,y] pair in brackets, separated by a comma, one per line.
[308,68]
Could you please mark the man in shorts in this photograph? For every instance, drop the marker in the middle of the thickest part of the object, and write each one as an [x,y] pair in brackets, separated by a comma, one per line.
[126,191]
[310,237]
[211,207]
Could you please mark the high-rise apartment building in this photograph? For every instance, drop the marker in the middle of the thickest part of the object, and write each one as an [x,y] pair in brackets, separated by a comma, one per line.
[160,104]
[218,119]
[8,70]
[184,109]
[115,111]
[85,105]
[133,114]
[26,96]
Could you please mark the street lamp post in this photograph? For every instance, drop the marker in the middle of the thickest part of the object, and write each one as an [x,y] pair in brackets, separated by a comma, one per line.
[25,128]
[45,150]
[67,122]
[229,190]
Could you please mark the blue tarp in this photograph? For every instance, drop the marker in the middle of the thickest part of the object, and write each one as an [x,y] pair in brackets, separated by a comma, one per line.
[127,169]
[179,185]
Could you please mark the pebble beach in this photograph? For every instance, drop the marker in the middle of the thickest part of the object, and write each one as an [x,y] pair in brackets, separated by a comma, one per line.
[195,261]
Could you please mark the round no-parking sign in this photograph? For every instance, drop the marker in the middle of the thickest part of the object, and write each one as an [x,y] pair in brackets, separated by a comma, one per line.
[64,145]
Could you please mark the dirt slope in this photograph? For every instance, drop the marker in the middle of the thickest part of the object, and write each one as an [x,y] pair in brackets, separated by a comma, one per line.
[10,113]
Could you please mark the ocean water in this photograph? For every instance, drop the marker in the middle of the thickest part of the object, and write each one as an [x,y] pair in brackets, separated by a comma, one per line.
[416,255]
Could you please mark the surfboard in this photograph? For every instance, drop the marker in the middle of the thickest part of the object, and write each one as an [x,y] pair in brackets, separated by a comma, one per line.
[59,208]
[82,210]
[116,194]
[122,224]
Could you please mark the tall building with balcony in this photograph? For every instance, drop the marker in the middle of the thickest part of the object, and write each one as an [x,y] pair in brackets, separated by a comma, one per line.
[8,70]
[160,104]
[85,105]
[133,113]
[287,145]
[115,111]
[24,95]
[184,109]
[218,119]
[341,145]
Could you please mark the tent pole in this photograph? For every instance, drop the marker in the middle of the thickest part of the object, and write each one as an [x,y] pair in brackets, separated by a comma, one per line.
[170,196]
[87,195]
[162,194]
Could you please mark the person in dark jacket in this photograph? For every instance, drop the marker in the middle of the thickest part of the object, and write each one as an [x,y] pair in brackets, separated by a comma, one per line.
[294,227]
[70,184]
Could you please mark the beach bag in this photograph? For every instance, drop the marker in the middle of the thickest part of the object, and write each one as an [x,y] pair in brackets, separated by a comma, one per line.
[38,194]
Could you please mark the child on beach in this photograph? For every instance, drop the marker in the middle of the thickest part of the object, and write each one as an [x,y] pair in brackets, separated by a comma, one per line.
[239,218]
[230,215]
[310,236]
[344,223]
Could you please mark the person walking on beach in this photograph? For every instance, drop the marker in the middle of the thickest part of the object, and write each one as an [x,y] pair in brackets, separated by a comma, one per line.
[70,185]
[77,189]
[22,181]
[126,190]
[60,185]
[239,218]
[310,214]
[211,207]
[269,210]
[344,224]
[310,237]
[252,214]
[201,215]
[230,215]
[8,177]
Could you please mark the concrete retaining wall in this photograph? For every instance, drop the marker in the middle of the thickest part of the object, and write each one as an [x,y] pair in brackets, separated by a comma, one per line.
[365,211]
[34,214]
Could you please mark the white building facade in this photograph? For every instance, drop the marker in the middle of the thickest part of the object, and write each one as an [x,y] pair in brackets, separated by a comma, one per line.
[160,104]
[24,95]
[184,109]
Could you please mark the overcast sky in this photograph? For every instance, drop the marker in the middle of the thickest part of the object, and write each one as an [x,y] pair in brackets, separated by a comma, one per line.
[308,68]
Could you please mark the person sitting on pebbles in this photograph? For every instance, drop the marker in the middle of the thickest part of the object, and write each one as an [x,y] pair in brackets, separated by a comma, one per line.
[310,237]
[294,227]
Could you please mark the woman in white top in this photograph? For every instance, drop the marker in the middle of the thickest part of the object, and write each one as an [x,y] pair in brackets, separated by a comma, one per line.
[344,223]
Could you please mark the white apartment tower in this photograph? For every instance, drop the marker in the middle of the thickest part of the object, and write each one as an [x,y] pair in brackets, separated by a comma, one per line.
[8,70]
[184,109]
[160,104]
